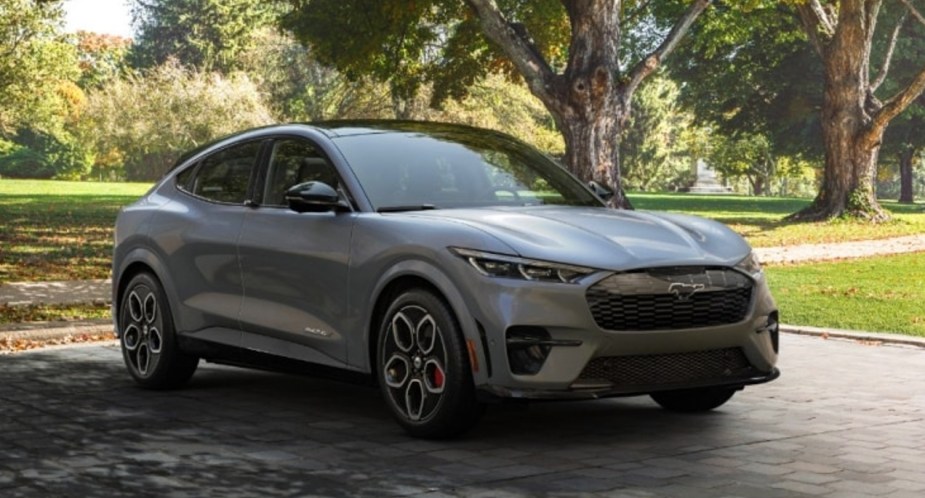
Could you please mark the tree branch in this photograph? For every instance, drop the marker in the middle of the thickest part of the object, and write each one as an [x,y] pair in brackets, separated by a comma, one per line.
[651,62]
[885,68]
[816,24]
[826,18]
[896,104]
[522,52]
[912,10]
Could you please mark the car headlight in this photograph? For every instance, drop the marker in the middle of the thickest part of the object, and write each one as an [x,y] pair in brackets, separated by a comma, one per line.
[750,265]
[504,266]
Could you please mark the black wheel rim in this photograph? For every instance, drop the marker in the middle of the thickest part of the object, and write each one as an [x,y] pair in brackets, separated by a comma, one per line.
[413,363]
[142,330]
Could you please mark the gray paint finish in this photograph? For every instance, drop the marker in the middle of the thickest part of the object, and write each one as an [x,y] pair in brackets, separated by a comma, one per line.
[304,285]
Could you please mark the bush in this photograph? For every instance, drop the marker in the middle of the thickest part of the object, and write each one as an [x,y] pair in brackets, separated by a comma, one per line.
[42,156]
[146,121]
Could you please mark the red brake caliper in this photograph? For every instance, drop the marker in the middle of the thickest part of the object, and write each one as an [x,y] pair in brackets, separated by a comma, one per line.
[438,377]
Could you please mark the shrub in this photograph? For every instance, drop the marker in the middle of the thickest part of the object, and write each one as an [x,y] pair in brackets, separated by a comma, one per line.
[147,120]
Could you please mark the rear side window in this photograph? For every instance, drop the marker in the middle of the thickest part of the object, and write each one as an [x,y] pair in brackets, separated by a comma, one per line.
[183,179]
[225,175]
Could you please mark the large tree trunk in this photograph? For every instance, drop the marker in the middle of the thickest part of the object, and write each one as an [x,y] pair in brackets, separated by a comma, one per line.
[851,138]
[589,104]
[906,157]
[850,160]
[592,149]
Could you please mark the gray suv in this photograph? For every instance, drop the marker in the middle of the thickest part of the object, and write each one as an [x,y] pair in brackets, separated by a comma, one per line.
[452,266]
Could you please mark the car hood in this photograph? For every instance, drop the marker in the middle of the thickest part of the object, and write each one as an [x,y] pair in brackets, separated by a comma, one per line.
[604,238]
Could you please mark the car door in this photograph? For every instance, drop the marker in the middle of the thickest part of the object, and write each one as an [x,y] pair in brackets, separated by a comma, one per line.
[198,237]
[295,265]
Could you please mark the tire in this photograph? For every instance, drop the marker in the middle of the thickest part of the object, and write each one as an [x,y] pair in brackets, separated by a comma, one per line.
[423,368]
[694,400]
[148,339]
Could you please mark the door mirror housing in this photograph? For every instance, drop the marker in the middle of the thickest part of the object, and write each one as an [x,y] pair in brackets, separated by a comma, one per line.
[601,191]
[314,197]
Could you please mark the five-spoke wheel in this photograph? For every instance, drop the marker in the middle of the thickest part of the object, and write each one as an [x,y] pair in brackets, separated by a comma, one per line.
[414,370]
[147,336]
[141,336]
[423,369]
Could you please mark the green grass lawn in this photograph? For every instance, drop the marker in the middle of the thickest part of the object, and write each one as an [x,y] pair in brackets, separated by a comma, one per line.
[760,219]
[63,230]
[883,294]
[59,230]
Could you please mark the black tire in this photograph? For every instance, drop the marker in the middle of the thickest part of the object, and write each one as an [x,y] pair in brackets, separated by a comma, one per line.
[148,339]
[426,383]
[694,400]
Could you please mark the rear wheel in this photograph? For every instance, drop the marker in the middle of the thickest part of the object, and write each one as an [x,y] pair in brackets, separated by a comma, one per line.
[423,368]
[694,400]
[149,344]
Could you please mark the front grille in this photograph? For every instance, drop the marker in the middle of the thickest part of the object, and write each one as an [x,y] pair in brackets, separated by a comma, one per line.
[715,365]
[670,298]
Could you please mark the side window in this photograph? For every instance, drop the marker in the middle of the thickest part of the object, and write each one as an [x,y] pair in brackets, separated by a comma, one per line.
[293,162]
[183,179]
[224,176]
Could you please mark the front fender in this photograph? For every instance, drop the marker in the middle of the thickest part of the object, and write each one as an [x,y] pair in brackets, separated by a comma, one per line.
[444,284]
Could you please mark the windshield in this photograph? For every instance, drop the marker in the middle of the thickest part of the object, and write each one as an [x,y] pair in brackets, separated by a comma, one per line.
[457,168]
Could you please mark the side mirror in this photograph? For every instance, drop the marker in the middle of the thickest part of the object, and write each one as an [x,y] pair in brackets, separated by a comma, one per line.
[601,191]
[314,197]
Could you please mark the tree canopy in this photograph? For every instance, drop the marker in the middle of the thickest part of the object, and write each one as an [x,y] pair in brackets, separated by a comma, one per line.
[570,54]
[205,34]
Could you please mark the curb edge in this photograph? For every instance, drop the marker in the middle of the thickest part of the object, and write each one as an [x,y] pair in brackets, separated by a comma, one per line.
[854,335]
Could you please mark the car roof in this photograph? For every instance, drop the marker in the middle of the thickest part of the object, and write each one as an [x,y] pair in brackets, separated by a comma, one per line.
[346,128]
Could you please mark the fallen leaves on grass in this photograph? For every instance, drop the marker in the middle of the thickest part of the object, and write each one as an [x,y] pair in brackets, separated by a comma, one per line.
[14,345]
[53,313]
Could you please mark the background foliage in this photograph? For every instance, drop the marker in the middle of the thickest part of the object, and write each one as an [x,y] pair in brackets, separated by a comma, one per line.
[742,92]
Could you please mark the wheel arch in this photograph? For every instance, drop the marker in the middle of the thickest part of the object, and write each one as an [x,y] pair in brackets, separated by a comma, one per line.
[139,261]
[419,274]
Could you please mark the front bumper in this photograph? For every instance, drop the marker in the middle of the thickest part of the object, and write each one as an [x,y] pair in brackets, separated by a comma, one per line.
[575,339]
[492,393]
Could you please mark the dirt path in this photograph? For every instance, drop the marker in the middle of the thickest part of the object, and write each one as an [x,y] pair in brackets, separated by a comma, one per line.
[842,250]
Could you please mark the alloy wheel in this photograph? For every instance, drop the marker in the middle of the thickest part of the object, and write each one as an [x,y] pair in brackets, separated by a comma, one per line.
[414,362]
[142,330]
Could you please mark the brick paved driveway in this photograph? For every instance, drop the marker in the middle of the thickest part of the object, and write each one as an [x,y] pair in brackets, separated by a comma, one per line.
[844,420]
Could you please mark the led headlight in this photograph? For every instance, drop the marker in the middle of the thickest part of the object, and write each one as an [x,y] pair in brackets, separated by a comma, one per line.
[504,266]
[749,265]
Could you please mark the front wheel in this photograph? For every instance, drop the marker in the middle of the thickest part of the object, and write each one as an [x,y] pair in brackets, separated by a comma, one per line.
[423,368]
[149,344]
[693,400]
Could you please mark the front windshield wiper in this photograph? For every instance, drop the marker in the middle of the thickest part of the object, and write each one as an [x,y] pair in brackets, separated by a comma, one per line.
[399,209]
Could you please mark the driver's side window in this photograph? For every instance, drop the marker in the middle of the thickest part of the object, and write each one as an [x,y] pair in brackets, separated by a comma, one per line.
[295,161]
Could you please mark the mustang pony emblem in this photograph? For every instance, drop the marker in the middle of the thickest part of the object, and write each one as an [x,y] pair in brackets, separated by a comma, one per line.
[684,291]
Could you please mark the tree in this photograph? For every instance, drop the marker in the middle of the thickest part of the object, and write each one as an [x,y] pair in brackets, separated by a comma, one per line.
[853,117]
[27,57]
[299,88]
[655,150]
[748,71]
[569,54]
[904,139]
[101,57]
[205,34]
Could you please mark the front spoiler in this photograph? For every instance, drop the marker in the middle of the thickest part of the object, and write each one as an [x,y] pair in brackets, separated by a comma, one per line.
[489,393]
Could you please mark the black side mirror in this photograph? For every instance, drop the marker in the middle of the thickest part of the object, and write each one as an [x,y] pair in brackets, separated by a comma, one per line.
[314,197]
[601,191]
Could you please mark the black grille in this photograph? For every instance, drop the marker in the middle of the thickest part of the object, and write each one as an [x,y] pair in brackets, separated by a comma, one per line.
[666,299]
[716,365]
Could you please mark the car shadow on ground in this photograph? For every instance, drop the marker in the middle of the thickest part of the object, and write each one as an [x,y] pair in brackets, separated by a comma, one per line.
[78,424]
